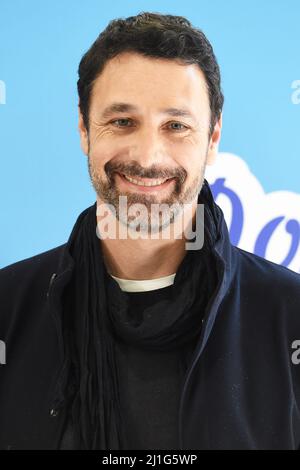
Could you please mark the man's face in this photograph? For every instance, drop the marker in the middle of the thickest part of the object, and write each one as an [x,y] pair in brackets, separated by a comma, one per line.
[159,135]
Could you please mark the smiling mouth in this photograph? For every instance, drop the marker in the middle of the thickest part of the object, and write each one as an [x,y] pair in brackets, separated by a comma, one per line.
[146,182]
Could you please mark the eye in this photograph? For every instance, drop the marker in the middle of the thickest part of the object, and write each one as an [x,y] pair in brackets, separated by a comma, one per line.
[121,120]
[183,127]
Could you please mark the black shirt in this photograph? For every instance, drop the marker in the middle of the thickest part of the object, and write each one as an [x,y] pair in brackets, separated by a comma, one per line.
[150,383]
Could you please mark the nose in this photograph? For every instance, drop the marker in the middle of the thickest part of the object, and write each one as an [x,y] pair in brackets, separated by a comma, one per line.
[148,148]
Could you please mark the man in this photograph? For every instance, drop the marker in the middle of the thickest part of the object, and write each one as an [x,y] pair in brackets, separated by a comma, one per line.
[140,342]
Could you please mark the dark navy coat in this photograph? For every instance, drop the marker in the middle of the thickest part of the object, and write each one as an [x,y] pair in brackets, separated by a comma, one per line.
[241,390]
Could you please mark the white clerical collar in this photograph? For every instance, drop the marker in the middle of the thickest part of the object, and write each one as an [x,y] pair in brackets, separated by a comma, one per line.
[129,285]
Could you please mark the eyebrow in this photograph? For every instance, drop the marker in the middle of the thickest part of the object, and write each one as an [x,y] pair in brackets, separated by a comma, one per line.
[127,107]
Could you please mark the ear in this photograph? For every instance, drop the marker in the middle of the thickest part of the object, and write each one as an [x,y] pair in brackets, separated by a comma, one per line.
[84,138]
[214,142]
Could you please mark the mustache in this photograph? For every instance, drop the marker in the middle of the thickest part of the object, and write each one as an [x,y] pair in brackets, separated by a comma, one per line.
[133,170]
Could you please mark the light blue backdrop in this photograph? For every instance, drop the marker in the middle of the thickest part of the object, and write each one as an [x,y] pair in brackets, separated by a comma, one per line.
[44,178]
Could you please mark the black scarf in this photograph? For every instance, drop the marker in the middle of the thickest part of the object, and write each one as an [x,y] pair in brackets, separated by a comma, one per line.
[95,314]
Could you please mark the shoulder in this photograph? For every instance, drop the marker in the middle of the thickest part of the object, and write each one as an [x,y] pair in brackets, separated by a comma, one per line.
[26,269]
[24,284]
[268,287]
[257,269]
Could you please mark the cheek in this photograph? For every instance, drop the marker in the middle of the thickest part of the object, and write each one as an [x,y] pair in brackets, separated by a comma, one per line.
[100,155]
[192,161]
[189,149]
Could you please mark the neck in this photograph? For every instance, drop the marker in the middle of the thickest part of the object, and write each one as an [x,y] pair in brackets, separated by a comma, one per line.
[148,258]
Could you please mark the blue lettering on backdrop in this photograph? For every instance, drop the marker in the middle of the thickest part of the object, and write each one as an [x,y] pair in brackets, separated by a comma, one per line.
[292,227]
[237,221]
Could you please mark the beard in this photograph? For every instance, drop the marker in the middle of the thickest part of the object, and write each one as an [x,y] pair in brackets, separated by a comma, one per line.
[160,211]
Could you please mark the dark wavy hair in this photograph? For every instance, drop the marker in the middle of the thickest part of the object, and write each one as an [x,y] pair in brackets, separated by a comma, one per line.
[151,35]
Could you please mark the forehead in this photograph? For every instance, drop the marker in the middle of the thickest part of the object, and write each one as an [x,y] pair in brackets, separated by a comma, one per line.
[131,77]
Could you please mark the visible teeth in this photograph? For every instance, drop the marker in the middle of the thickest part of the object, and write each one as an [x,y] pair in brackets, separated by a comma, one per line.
[143,183]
